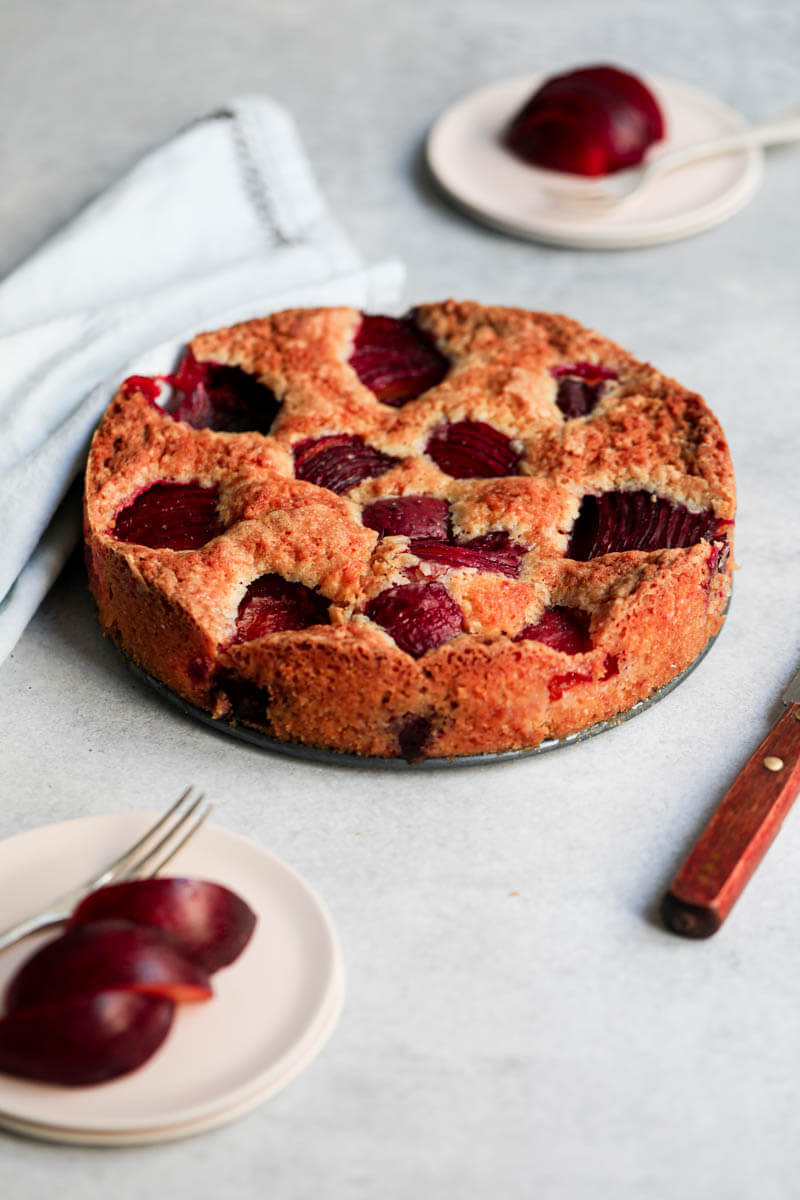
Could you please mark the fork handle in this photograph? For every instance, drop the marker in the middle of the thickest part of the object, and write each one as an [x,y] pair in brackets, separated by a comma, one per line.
[766,133]
[31,925]
[738,835]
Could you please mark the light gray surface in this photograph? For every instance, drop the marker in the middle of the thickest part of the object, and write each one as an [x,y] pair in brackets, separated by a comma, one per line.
[517,1023]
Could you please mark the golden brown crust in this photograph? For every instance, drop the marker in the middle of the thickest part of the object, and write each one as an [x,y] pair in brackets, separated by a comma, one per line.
[347,686]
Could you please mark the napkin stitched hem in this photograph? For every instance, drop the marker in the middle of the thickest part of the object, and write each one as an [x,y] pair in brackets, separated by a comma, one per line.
[222,223]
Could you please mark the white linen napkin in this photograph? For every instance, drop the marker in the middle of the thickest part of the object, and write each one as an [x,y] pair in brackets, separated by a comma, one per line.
[223,223]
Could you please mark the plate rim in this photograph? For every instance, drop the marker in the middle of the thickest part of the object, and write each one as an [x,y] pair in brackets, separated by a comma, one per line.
[149,1135]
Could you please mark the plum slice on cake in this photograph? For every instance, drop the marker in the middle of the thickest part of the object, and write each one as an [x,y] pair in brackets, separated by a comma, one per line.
[395,360]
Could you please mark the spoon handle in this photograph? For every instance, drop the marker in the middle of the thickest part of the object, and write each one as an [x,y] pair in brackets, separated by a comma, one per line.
[766,133]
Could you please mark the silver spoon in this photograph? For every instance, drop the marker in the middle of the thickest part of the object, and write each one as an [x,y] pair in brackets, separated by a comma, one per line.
[621,186]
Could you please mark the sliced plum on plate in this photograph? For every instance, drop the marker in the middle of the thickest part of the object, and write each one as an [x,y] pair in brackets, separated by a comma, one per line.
[209,922]
[108,955]
[83,1040]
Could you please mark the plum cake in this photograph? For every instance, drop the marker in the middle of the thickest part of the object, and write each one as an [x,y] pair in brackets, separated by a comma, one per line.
[466,530]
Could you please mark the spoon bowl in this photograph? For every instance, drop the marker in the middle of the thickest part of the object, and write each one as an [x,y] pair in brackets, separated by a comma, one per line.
[611,191]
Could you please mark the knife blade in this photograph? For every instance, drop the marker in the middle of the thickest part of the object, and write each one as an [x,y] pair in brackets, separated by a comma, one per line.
[741,830]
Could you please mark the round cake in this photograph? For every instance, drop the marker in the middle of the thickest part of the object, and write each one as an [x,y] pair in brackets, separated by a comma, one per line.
[462,531]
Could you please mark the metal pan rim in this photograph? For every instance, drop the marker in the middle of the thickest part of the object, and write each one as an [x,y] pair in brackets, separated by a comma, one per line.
[316,754]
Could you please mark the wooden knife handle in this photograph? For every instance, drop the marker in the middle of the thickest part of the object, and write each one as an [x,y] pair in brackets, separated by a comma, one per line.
[738,835]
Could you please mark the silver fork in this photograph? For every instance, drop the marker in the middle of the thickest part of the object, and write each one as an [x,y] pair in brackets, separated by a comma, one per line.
[179,823]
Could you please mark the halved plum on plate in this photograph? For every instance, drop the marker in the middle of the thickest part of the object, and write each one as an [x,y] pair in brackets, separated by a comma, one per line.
[591,121]
[211,924]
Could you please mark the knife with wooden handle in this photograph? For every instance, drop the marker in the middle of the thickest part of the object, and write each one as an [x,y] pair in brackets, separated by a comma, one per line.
[740,832]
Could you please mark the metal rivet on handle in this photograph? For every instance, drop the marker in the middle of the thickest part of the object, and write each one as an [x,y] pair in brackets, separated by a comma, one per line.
[772,763]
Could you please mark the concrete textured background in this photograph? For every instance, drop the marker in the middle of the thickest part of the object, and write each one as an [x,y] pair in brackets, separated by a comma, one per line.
[555,1043]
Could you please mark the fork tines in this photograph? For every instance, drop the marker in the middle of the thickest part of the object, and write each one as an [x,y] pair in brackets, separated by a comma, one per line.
[146,857]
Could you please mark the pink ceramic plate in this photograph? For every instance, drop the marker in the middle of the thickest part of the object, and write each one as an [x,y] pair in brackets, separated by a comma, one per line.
[272,1011]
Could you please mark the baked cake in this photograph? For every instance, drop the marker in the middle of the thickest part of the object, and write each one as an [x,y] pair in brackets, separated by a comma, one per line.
[466,530]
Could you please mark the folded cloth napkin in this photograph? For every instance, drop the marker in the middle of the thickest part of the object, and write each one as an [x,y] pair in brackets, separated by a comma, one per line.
[223,223]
